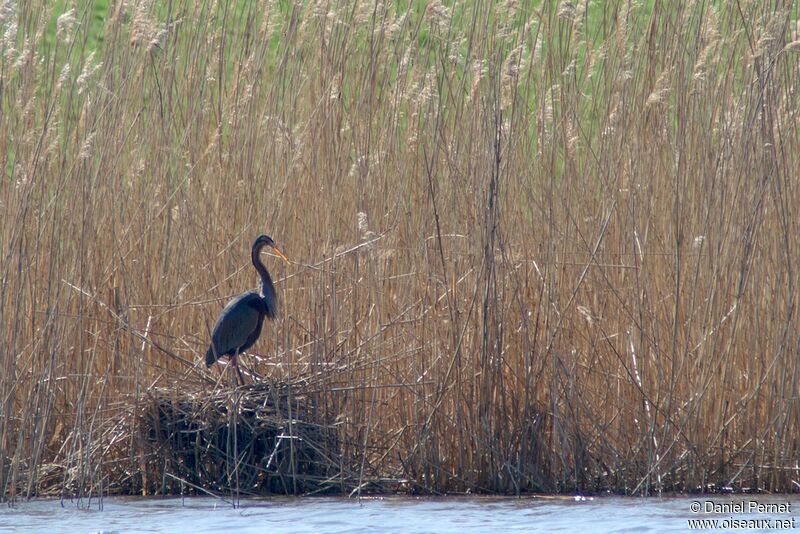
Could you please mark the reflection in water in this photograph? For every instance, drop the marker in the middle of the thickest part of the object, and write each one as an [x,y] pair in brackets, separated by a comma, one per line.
[392,514]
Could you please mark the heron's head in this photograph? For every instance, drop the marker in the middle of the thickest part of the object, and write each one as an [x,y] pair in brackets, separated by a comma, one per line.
[266,241]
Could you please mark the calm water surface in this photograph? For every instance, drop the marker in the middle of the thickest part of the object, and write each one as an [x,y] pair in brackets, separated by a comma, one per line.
[399,514]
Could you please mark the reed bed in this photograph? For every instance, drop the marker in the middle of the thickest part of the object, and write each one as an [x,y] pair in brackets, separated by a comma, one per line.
[537,246]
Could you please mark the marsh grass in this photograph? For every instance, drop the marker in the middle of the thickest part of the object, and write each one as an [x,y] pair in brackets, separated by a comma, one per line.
[535,247]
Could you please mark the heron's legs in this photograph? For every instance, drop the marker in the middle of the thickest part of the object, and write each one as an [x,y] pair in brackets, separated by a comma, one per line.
[235,361]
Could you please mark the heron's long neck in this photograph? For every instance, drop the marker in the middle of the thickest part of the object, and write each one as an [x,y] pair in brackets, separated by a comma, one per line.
[266,280]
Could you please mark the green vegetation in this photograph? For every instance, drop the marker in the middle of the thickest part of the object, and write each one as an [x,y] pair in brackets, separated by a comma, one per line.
[538,246]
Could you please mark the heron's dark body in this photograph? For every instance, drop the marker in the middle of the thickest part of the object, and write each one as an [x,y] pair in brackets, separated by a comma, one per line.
[239,324]
[240,320]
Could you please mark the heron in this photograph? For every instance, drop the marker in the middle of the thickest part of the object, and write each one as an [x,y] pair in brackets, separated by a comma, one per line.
[239,324]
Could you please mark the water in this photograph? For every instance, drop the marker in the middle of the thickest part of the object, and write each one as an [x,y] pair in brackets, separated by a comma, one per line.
[395,514]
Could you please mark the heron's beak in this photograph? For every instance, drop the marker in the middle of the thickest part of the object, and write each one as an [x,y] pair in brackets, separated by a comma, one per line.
[281,254]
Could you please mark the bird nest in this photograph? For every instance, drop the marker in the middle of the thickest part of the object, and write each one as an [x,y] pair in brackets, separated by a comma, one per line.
[257,439]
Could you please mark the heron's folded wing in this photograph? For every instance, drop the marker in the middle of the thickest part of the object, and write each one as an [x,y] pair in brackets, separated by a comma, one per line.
[236,323]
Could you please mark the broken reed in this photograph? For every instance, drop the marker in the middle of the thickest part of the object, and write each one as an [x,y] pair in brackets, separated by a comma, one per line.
[546,248]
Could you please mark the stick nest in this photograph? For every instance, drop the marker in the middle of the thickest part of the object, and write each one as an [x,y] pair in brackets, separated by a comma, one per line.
[257,439]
